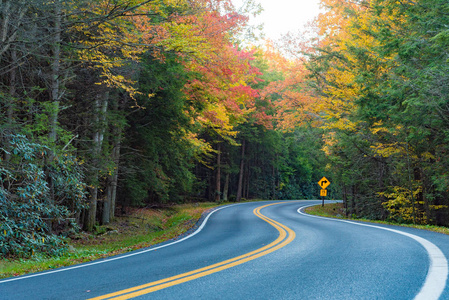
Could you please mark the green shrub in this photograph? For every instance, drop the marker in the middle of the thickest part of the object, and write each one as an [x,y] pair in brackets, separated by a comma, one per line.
[38,198]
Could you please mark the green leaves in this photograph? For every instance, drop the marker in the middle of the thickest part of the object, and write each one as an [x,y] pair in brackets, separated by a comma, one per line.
[392,76]
[159,166]
[28,211]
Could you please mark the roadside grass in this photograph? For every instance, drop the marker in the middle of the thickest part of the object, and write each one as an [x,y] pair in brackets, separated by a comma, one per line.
[331,210]
[337,210]
[140,228]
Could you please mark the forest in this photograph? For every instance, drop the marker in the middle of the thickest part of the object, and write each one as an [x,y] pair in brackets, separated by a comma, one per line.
[112,104]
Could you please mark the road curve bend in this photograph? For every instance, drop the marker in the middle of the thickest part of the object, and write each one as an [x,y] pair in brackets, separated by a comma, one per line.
[260,250]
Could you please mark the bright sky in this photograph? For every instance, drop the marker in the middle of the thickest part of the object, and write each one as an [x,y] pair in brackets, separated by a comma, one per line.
[282,16]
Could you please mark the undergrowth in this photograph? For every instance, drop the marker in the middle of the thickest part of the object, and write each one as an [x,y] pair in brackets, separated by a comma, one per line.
[139,228]
[336,210]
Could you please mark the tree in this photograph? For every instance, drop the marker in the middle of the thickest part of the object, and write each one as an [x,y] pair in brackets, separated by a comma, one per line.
[371,79]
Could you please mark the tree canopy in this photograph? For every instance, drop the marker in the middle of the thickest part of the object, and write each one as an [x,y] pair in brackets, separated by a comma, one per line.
[111,104]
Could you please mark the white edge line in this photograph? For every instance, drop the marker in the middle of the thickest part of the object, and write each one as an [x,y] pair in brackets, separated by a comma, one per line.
[437,274]
[136,252]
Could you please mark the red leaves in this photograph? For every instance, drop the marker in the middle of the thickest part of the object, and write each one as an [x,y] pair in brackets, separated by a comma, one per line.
[223,81]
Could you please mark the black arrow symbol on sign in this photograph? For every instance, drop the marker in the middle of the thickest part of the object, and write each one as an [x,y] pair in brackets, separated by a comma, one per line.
[323,182]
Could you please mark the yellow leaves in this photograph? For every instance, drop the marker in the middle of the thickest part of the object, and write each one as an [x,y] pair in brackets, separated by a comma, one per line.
[119,35]
[275,60]
[400,149]
[340,123]
[427,156]
[378,127]
[185,38]
[336,112]
[387,150]
[113,80]
[403,206]
[194,140]
[201,148]
[400,205]
[119,81]
[217,116]
[436,207]
[347,26]
[329,141]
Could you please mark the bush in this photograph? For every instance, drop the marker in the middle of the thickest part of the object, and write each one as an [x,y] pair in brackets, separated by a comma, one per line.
[36,193]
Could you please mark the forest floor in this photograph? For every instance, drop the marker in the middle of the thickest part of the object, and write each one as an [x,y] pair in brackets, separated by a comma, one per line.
[136,229]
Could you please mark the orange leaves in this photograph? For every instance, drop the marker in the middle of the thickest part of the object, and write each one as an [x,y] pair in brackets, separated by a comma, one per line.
[223,86]
[291,95]
[223,73]
[200,32]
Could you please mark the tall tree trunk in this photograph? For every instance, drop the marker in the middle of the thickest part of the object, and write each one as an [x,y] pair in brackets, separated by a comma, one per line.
[114,184]
[11,21]
[10,102]
[100,123]
[421,201]
[218,174]
[109,203]
[54,91]
[92,210]
[12,87]
[345,200]
[210,186]
[242,165]
[226,188]
[55,72]
[246,181]
[117,149]
[106,212]
[5,34]
[353,206]
[273,175]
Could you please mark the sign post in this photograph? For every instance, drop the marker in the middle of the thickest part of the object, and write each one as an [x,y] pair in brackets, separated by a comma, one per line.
[323,183]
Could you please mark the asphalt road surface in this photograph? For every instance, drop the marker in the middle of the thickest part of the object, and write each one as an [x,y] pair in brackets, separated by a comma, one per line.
[260,250]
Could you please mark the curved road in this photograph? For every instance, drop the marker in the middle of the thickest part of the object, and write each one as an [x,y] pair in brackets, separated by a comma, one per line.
[261,250]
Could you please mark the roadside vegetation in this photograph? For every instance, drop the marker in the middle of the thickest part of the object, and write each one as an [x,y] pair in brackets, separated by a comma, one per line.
[139,103]
[138,228]
[144,227]
[337,210]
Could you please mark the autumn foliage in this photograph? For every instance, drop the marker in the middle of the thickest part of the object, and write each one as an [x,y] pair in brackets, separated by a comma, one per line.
[377,93]
[139,102]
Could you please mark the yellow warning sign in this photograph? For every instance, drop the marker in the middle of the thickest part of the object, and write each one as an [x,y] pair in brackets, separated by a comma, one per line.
[323,193]
[324,183]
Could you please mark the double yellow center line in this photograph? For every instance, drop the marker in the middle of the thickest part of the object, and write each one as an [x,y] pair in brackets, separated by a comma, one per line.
[286,235]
